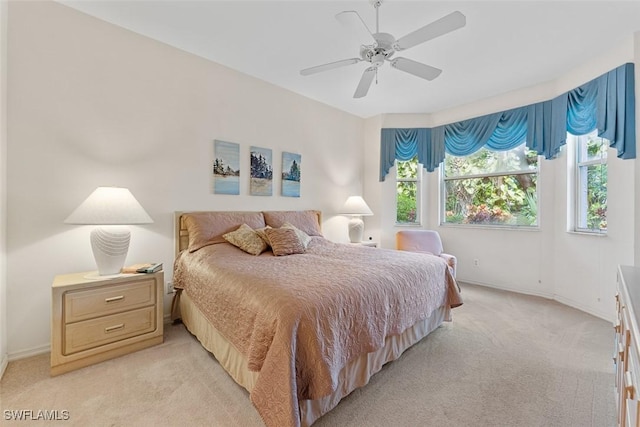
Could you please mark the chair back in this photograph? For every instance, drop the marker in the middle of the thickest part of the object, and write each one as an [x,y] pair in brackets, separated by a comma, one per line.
[419,241]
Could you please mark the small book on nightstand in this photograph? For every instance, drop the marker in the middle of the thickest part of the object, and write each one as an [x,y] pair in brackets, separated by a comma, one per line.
[150,267]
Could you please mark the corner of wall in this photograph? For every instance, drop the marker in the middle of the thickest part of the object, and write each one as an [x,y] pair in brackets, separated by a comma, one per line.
[372,192]
[3,186]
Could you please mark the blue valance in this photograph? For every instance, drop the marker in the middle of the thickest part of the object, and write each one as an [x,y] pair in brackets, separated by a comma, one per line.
[404,144]
[606,103]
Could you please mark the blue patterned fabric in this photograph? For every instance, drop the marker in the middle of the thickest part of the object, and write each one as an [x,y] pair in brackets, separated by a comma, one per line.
[606,103]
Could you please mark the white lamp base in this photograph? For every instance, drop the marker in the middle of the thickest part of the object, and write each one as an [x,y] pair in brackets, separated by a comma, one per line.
[110,246]
[356,229]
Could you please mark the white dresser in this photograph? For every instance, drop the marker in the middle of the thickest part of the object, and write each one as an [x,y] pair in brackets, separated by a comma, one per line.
[627,346]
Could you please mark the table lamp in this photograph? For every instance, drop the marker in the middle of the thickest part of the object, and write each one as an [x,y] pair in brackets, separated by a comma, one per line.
[355,207]
[110,207]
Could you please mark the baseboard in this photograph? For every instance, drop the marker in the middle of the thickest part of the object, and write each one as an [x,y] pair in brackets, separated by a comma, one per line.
[23,354]
[562,300]
[578,306]
[3,364]
[507,288]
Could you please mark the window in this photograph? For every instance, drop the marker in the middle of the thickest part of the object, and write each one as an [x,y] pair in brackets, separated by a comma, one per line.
[497,188]
[591,183]
[408,191]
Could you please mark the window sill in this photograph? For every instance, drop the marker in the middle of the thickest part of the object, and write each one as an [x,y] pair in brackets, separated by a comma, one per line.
[492,227]
[587,233]
[407,225]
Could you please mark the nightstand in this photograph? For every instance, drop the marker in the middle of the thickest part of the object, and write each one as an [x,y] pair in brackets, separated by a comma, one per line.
[93,320]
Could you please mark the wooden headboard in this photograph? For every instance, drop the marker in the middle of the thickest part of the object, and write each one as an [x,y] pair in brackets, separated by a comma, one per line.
[182,234]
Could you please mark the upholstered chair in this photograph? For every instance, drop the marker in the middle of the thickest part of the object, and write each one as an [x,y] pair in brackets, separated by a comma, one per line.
[425,241]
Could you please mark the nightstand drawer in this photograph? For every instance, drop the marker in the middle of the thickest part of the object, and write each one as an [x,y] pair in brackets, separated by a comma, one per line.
[101,301]
[104,330]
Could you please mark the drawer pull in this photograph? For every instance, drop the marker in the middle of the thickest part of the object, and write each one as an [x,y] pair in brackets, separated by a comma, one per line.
[113,328]
[114,299]
[628,385]
[621,352]
[617,326]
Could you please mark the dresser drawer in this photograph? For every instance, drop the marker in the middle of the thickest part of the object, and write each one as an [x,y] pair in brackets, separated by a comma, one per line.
[104,330]
[101,301]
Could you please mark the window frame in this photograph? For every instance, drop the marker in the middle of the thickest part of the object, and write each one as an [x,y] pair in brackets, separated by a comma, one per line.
[443,196]
[580,183]
[418,181]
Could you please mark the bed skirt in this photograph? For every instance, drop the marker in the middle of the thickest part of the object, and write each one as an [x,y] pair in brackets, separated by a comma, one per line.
[356,374]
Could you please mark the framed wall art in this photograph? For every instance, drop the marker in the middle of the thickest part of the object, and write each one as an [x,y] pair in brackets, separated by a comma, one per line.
[226,167]
[261,162]
[291,173]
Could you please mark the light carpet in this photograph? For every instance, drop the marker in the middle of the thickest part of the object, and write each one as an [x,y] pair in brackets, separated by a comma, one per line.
[505,360]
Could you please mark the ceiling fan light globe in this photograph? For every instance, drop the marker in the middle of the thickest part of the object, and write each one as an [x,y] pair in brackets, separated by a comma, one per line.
[378,59]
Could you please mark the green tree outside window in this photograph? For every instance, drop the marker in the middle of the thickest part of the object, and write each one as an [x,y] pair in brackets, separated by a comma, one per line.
[407,191]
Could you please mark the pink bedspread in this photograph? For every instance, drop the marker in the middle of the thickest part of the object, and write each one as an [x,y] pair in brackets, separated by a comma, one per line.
[299,319]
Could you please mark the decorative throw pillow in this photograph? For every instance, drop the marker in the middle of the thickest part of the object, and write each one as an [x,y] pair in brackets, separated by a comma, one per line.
[262,233]
[246,239]
[305,239]
[284,241]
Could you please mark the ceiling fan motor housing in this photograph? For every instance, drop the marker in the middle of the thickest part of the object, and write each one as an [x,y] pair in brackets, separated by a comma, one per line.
[383,49]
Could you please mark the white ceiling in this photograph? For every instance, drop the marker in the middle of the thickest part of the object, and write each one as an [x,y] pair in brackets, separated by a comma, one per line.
[506,45]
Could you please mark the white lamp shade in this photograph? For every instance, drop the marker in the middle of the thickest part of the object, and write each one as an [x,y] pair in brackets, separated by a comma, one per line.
[109,206]
[355,205]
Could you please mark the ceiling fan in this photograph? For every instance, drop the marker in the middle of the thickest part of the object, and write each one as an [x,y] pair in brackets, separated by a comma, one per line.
[383,46]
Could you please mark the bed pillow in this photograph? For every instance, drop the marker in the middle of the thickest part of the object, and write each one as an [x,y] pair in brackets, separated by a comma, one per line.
[305,239]
[284,241]
[207,228]
[307,221]
[246,239]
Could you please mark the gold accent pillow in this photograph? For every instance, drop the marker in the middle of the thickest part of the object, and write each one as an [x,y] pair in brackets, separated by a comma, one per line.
[246,239]
[261,232]
[284,241]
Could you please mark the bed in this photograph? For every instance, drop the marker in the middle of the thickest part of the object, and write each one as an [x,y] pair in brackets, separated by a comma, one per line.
[303,329]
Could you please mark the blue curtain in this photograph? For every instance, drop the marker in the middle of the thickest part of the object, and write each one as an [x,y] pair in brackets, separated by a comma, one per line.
[404,144]
[616,110]
[546,126]
[606,103]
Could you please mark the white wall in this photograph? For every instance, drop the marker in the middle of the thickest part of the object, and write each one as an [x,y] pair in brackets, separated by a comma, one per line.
[637,161]
[3,186]
[574,269]
[92,104]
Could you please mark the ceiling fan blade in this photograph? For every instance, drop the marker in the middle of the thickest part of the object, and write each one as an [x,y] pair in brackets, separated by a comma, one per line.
[418,69]
[352,20]
[365,82]
[444,25]
[329,66]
